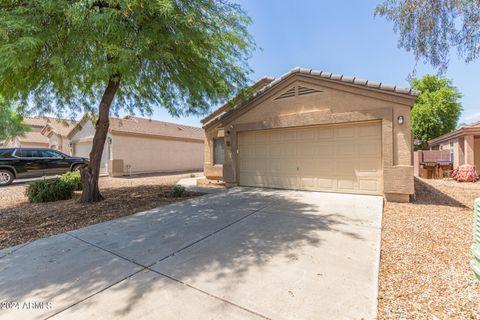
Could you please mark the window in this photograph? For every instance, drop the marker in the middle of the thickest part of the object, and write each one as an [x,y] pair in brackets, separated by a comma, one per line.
[451,152]
[28,153]
[50,154]
[6,153]
[218,151]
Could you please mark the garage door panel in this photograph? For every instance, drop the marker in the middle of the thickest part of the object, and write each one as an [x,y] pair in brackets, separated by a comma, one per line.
[289,135]
[326,183]
[369,147]
[325,133]
[345,148]
[307,134]
[337,158]
[345,132]
[289,165]
[345,183]
[368,184]
[369,165]
[369,131]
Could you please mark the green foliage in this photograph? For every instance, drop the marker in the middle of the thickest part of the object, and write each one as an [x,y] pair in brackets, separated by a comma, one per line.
[10,121]
[437,109]
[178,191]
[182,55]
[73,178]
[430,28]
[48,190]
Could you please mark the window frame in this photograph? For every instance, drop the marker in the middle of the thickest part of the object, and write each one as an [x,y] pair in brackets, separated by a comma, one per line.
[214,158]
[452,153]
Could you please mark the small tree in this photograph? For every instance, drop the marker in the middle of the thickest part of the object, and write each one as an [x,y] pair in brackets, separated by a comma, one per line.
[436,110]
[182,55]
[10,121]
[430,28]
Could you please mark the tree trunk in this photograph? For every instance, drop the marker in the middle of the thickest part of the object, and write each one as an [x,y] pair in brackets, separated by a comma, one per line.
[90,173]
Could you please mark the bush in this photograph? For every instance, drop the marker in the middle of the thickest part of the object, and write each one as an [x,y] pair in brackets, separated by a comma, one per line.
[73,178]
[49,190]
[178,191]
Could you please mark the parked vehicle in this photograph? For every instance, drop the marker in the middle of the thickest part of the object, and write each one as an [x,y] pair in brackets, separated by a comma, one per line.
[20,163]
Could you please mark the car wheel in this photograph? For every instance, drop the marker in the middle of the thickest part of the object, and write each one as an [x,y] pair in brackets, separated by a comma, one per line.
[76,167]
[6,177]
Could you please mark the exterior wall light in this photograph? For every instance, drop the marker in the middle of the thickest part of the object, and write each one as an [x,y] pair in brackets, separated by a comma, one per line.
[400,120]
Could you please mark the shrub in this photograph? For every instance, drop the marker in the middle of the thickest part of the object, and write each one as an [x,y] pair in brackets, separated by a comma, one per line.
[178,191]
[73,177]
[49,190]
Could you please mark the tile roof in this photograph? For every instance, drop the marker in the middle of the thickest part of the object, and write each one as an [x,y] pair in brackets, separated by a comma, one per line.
[139,125]
[60,126]
[35,121]
[33,137]
[472,128]
[474,125]
[323,75]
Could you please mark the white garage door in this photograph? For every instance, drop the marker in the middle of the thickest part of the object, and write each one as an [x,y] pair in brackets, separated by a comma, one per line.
[82,149]
[337,158]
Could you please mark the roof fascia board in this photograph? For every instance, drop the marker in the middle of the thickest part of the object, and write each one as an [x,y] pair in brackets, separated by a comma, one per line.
[403,99]
[454,134]
[155,136]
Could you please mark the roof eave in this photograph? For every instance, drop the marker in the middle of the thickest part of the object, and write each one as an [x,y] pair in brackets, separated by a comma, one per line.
[373,86]
[454,134]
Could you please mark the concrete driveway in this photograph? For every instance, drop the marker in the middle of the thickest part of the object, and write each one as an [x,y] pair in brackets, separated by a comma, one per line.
[244,253]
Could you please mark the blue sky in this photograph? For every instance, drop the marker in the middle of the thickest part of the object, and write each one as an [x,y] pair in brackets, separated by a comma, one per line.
[341,37]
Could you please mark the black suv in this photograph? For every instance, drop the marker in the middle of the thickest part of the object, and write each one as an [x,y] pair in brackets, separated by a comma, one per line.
[18,163]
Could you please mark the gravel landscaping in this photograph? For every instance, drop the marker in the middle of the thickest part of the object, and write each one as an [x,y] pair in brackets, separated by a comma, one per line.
[424,269]
[21,221]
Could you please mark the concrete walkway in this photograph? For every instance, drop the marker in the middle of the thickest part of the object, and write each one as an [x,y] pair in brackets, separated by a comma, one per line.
[239,254]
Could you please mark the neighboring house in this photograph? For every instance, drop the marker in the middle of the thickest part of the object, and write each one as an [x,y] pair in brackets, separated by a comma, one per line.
[30,139]
[313,130]
[45,132]
[138,145]
[463,144]
[56,130]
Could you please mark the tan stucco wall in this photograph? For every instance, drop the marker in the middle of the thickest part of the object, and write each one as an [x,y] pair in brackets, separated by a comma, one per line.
[477,154]
[335,104]
[82,145]
[59,143]
[148,154]
[211,170]
[15,143]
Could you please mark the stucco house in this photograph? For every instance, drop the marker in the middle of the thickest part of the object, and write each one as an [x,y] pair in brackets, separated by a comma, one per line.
[45,132]
[463,144]
[314,130]
[137,145]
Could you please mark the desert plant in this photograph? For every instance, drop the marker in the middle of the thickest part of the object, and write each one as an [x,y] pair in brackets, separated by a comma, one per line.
[73,178]
[49,190]
[178,191]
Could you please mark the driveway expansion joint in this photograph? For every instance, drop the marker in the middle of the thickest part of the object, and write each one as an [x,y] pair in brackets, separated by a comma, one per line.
[209,235]
[148,267]
[210,295]
[95,293]
[16,249]
[110,251]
